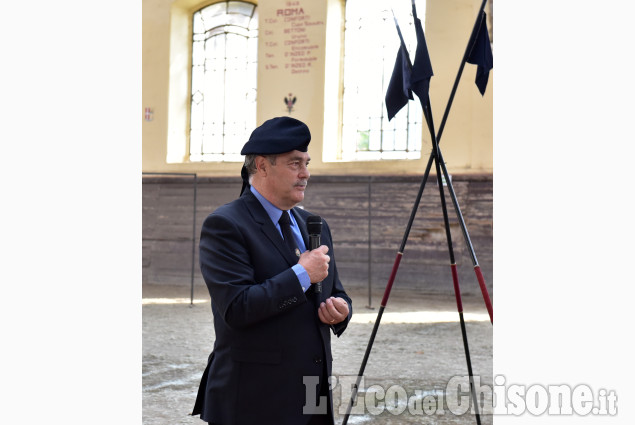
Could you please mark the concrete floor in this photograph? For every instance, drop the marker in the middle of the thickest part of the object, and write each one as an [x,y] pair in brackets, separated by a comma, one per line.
[417,358]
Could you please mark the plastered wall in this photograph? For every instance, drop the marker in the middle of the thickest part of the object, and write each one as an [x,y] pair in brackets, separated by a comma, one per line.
[316,82]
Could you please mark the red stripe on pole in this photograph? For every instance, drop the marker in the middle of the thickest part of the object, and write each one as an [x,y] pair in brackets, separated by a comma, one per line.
[488,302]
[391,279]
[457,290]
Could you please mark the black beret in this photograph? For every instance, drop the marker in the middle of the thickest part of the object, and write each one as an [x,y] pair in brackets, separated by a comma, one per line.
[278,135]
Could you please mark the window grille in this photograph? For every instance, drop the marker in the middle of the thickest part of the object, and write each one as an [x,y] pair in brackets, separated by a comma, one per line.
[224,76]
[371,44]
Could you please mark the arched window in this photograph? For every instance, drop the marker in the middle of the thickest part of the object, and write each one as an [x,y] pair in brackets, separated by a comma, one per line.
[224,75]
[371,44]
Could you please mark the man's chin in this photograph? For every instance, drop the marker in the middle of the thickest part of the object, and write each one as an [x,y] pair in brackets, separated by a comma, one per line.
[299,195]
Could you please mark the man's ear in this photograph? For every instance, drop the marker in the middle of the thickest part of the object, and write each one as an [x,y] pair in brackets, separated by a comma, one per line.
[261,164]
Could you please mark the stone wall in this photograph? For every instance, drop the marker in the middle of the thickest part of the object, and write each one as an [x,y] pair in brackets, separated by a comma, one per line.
[368,217]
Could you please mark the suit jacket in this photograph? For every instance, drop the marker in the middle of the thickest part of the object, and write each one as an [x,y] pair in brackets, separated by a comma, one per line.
[269,339]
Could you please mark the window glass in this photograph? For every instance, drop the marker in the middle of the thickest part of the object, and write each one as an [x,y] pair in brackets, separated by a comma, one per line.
[224,67]
[371,45]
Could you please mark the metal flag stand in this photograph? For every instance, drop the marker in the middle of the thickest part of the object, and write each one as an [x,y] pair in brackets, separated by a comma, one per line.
[436,156]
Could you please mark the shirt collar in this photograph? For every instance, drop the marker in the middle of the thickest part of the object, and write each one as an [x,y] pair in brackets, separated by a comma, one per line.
[273,212]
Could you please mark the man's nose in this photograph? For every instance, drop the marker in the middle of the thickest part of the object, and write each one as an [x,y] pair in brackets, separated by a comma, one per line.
[304,172]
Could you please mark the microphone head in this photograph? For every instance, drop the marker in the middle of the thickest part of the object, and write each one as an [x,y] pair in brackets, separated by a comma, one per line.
[314,224]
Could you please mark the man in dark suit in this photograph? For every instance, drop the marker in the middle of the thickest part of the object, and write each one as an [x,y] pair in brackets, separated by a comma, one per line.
[272,353]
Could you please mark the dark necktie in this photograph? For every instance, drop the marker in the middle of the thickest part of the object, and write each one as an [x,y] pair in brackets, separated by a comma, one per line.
[285,226]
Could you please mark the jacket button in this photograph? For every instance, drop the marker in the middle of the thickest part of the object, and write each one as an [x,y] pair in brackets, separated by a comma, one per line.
[317,360]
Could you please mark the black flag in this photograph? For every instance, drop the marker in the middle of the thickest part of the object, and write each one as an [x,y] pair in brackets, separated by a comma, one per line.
[399,91]
[422,68]
[481,54]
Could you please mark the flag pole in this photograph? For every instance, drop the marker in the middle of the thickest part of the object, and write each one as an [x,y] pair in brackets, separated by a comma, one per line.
[455,276]
[407,232]
[468,242]
[477,267]
[420,85]
[436,152]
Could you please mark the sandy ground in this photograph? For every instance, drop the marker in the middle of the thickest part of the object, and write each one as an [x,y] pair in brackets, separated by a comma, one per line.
[416,371]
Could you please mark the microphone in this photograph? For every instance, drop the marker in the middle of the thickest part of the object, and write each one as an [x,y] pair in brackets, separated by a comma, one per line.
[314,226]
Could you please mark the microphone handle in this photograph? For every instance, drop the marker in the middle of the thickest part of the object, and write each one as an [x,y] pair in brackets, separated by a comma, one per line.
[314,242]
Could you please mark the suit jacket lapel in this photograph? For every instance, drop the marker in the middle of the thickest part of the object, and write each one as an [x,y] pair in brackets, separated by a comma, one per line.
[268,228]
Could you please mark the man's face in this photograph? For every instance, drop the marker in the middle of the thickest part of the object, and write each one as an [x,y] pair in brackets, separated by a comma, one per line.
[287,179]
